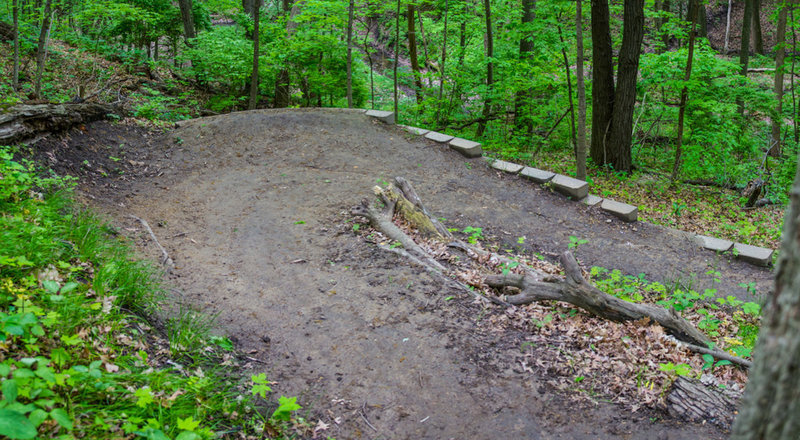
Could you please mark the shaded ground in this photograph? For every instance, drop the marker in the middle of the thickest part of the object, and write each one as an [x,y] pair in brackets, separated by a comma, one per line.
[253,207]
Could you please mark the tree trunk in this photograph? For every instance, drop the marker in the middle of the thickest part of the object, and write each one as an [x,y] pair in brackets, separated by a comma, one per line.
[444,59]
[602,80]
[611,139]
[15,67]
[702,20]
[758,39]
[396,56]
[282,80]
[350,8]
[522,121]
[580,150]
[187,16]
[780,54]
[254,76]
[41,52]
[728,27]
[685,91]
[744,50]
[568,73]
[487,101]
[772,399]
[412,53]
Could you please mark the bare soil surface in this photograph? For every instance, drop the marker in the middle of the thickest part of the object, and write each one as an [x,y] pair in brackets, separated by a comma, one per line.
[254,209]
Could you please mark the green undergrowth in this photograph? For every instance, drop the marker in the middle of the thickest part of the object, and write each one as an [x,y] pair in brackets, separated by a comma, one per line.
[732,324]
[81,355]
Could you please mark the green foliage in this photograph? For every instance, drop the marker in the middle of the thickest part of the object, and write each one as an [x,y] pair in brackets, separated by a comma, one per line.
[475,234]
[575,242]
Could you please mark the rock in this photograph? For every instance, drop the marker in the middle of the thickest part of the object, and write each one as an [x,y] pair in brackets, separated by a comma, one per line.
[415,130]
[714,244]
[466,148]
[574,188]
[438,137]
[591,200]
[753,254]
[624,211]
[537,175]
[387,117]
[508,167]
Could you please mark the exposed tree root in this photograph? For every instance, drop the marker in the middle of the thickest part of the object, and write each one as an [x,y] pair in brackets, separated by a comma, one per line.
[166,261]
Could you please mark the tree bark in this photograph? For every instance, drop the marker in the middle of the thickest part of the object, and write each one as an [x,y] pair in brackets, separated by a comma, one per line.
[744,50]
[41,52]
[187,17]
[26,121]
[617,151]
[580,150]
[522,120]
[685,91]
[444,59]
[772,399]
[412,53]
[758,39]
[350,8]
[780,54]
[691,400]
[728,27]
[568,74]
[602,80]
[15,62]
[254,76]
[282,80]
[487,101]
[396,56]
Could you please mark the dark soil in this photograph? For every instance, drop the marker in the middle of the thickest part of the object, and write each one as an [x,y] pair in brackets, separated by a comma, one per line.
[254,209]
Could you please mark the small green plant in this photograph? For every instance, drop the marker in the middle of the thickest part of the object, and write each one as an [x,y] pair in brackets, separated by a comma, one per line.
[474,234]
[574,242]
[679,369]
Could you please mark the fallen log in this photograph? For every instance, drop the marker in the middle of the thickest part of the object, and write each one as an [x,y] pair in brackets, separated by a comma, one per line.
[25,121]
[695,401]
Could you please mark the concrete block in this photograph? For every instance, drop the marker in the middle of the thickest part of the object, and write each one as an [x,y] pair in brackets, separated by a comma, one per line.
[574,188]
[508,167]
[753,254]
[591,200]
[387,117]
[714,244]
[537,175]
[466,148]
[415,130]
[624,211]
[438,137]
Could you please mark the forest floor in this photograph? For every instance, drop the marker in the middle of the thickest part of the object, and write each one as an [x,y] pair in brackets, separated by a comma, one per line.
[254,209]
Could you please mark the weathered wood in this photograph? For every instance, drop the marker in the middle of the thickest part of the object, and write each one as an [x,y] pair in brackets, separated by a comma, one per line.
[26,121]
[693,401]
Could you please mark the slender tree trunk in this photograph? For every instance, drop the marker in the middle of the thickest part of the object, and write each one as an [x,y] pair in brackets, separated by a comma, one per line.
[568,73]
[15,67]
[794,58]
[702,20]
[758,39]
[666,7]
[254,76]
[728,27]
[487,102]
[396,56]
[744,50]
[369,60]
[412,53]
[780,54]
[442,69]
[771,401]
[602,79]
[522,119]
[580,150]
[41,52]
[187,17]
[685,91]
[350,8]
[282,80]
[423,39]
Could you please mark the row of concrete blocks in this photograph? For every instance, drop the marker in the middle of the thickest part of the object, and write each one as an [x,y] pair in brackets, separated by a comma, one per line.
[579,190]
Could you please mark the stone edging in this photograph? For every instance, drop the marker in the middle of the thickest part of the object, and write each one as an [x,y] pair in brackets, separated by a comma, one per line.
[578,190]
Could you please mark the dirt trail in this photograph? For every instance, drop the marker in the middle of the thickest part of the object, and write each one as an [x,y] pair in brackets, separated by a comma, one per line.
[357,333]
